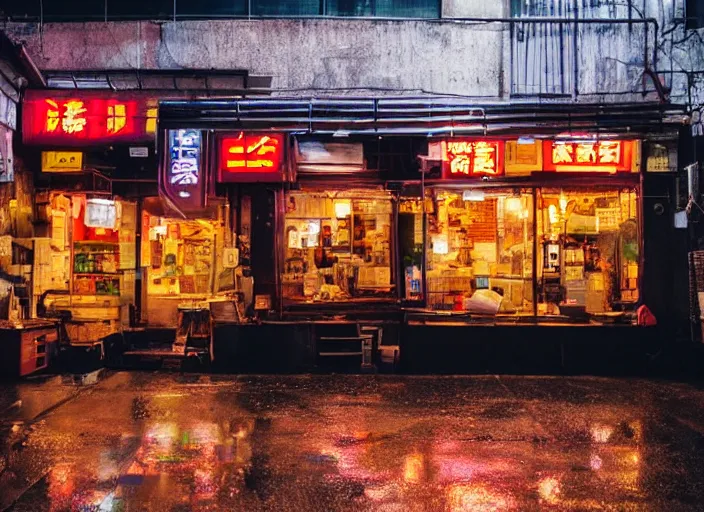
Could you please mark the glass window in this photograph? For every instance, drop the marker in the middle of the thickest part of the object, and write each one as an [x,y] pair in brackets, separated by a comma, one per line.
[408,8]
[337,245]
[139,9]
[75,10]
[589,251]
[410,242]
[349,7]
[286,8]
[205,8]
[479,250]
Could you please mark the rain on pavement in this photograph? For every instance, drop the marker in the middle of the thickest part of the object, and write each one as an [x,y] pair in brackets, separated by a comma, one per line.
[171,442]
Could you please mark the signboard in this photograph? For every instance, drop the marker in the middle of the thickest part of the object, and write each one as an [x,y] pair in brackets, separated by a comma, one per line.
[523,157]
[661,158]
[62,161]
[8,111]
[247,157]
[139,152]
[79,118]
[183,177]
[7,173]
[472,158]
[589,156]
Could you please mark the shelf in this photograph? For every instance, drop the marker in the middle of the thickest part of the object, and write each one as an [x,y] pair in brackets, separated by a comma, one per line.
[97,273]
[94,242]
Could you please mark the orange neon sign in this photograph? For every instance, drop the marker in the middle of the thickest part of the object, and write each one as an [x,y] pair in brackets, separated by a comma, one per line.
[471,158]
[589,156]
[251,155]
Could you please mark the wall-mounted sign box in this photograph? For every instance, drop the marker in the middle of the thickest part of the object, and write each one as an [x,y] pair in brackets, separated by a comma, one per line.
[469,158]
[79,118]
[606,156]
[62,161]
[251,157]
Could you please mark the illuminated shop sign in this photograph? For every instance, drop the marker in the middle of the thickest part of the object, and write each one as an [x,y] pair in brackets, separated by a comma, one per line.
[472,158]
[251,157]
[55,118]
[589,156]
[183,178]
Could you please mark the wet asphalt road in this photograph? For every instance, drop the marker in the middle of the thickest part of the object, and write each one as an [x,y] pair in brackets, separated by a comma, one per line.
[169,442]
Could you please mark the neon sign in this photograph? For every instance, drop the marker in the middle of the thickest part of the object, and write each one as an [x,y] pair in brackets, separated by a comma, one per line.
[62,119]
[182,178]
[184,149]
[587,153]
[251,157]
[590,156]
[472,158]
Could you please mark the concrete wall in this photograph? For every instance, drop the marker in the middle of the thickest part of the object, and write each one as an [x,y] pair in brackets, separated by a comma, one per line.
[398,57]
[402,56]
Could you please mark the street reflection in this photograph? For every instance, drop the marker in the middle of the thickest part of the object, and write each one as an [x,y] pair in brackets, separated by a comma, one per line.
[284,460]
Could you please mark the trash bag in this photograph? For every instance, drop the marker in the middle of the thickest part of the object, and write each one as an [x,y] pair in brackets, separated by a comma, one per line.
[645,317]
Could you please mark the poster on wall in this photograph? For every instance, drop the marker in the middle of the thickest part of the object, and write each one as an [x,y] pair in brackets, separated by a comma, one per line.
[7,173]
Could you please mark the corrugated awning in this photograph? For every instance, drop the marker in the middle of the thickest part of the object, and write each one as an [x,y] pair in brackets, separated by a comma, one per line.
[422,116]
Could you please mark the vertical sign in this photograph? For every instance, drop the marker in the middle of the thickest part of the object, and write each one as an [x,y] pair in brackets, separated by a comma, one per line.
[183,178]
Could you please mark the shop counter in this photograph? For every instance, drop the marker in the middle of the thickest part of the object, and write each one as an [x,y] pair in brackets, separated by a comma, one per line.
[27,347]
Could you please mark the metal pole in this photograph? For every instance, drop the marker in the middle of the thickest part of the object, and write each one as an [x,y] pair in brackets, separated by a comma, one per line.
[535,253]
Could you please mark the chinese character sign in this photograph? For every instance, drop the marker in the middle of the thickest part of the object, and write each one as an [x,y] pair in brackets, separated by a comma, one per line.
[251,157]
[184,150]
[56,118]
[588,154]
[470,158]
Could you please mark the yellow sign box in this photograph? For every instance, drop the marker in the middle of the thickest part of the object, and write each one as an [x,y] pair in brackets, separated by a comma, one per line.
[523,158]
[62,161]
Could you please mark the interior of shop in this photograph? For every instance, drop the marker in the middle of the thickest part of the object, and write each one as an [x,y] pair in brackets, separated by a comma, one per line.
[481,242]
[181,262]
[338,245]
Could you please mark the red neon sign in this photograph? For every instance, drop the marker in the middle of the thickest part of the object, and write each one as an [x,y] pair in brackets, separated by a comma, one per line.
[251,157]
[589,156]
[60,119]
[472,158]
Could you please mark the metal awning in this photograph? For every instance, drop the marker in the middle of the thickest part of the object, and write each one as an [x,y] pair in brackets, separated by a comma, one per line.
[215,82]
[420,116]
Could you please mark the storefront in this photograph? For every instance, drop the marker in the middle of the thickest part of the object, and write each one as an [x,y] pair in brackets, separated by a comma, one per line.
[444,243]
[559,242]
[94,148]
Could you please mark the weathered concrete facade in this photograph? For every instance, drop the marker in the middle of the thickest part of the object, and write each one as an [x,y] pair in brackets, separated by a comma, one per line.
[491,60]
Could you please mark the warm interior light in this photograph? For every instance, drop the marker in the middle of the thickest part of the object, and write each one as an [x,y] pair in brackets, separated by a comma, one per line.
[313,227]
[473,195]
[552,212]
[440,245]
[514,205]
[342,209]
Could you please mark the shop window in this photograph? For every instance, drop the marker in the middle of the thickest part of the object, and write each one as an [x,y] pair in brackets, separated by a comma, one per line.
[410,241]
[589,251]
[338,246]
[479,250]
[180,256]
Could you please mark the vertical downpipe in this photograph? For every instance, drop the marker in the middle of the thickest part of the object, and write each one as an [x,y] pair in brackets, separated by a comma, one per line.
[575,54]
